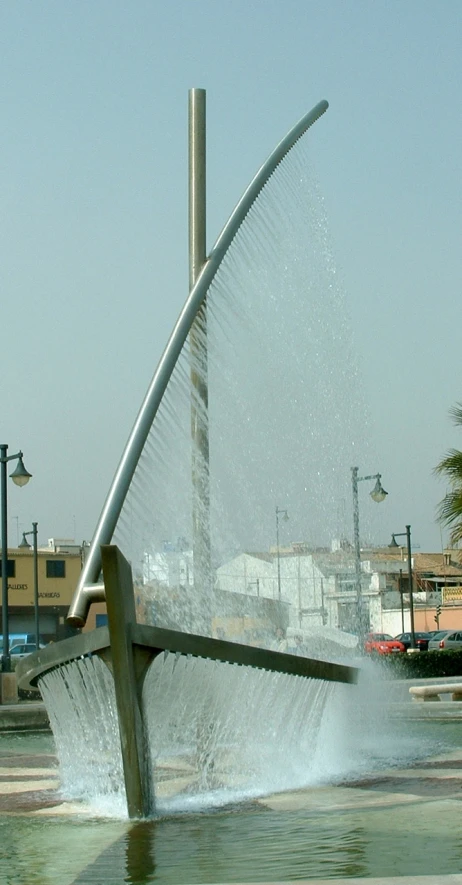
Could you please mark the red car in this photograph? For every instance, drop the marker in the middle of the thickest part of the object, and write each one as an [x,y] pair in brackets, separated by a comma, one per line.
[382,644]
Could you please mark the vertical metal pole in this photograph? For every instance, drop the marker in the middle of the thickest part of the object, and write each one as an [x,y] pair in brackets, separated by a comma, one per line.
[299,589]
[36,589]
[323,609]
[411,596]
[198,344]
[277,553]
[400,588]
[6,665]
[197,184]
[357,553]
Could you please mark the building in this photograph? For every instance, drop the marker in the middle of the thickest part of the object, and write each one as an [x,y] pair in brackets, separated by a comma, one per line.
[295,586]
[253,574]
[319,586]
[437,590]
[59,566]
[290,575]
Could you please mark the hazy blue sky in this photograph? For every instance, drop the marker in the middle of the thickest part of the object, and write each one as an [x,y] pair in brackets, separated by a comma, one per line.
[94,216]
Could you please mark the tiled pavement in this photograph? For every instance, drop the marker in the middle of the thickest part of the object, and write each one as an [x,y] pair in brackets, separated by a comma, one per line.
[28,783]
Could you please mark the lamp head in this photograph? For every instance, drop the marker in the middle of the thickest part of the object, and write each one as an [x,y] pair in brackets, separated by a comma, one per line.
[20,475]
[24,543]
[286,516]
[378,493]
[393,542]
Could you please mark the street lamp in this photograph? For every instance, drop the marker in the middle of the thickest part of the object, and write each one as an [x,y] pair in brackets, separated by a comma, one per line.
[407,535]
[20,476]
[378,495]
[401,598]
[285,517]
[25,543]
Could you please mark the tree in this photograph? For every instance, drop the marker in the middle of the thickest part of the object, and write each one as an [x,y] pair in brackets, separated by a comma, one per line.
[450,508]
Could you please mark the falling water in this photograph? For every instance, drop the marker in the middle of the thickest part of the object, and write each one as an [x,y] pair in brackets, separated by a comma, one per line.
[81,705]
[228,731]
[286,415]
[286,423]
[218,733]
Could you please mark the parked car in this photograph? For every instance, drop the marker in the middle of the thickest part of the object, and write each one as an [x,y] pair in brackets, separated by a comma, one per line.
[21,651]
[21,639]
[382,644]
[446,639]
[421,640]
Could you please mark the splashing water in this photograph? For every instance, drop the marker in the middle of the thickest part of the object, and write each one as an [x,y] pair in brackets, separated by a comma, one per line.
[81,705]
[240,732]
[218,733]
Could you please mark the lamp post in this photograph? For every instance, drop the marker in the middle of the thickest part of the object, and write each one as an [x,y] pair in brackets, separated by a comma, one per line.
[20,476]
[407,535]
[401,598]
[378,495]
[285,517]
[25,543]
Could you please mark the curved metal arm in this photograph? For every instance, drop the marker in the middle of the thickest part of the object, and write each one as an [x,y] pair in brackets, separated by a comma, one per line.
[114,502]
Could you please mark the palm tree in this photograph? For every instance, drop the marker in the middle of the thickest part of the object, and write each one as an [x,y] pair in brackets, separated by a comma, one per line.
[450,508]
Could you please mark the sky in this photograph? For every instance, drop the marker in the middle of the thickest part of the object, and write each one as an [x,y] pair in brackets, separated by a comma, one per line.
[94,217]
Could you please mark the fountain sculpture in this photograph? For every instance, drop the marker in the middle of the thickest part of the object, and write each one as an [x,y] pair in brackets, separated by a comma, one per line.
[128,647]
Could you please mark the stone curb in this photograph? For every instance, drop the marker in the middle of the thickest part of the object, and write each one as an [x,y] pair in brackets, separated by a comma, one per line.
[24,717]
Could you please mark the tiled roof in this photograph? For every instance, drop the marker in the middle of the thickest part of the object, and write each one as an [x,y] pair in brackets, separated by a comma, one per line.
[267,557]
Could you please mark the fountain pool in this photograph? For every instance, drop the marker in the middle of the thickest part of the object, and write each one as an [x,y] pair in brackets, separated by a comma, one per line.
[392,821]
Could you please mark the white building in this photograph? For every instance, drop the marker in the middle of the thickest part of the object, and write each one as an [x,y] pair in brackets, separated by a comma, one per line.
[171,568]
[250,573]
[294,576]
[320,587]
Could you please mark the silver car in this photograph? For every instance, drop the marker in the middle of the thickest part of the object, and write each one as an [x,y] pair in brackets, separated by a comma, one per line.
[446,639]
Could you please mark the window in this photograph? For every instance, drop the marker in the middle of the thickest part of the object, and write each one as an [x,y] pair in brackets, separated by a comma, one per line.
[11,569]
[56,568]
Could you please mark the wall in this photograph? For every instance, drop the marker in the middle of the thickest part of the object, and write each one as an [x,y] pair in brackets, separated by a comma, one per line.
[241,574]
[450,618]
[52,591]
[98,608]
[390,620]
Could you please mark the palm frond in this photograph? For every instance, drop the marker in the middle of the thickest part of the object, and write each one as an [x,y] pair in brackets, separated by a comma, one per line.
[449,510]
[451,465]
[450,513]
[456,413]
